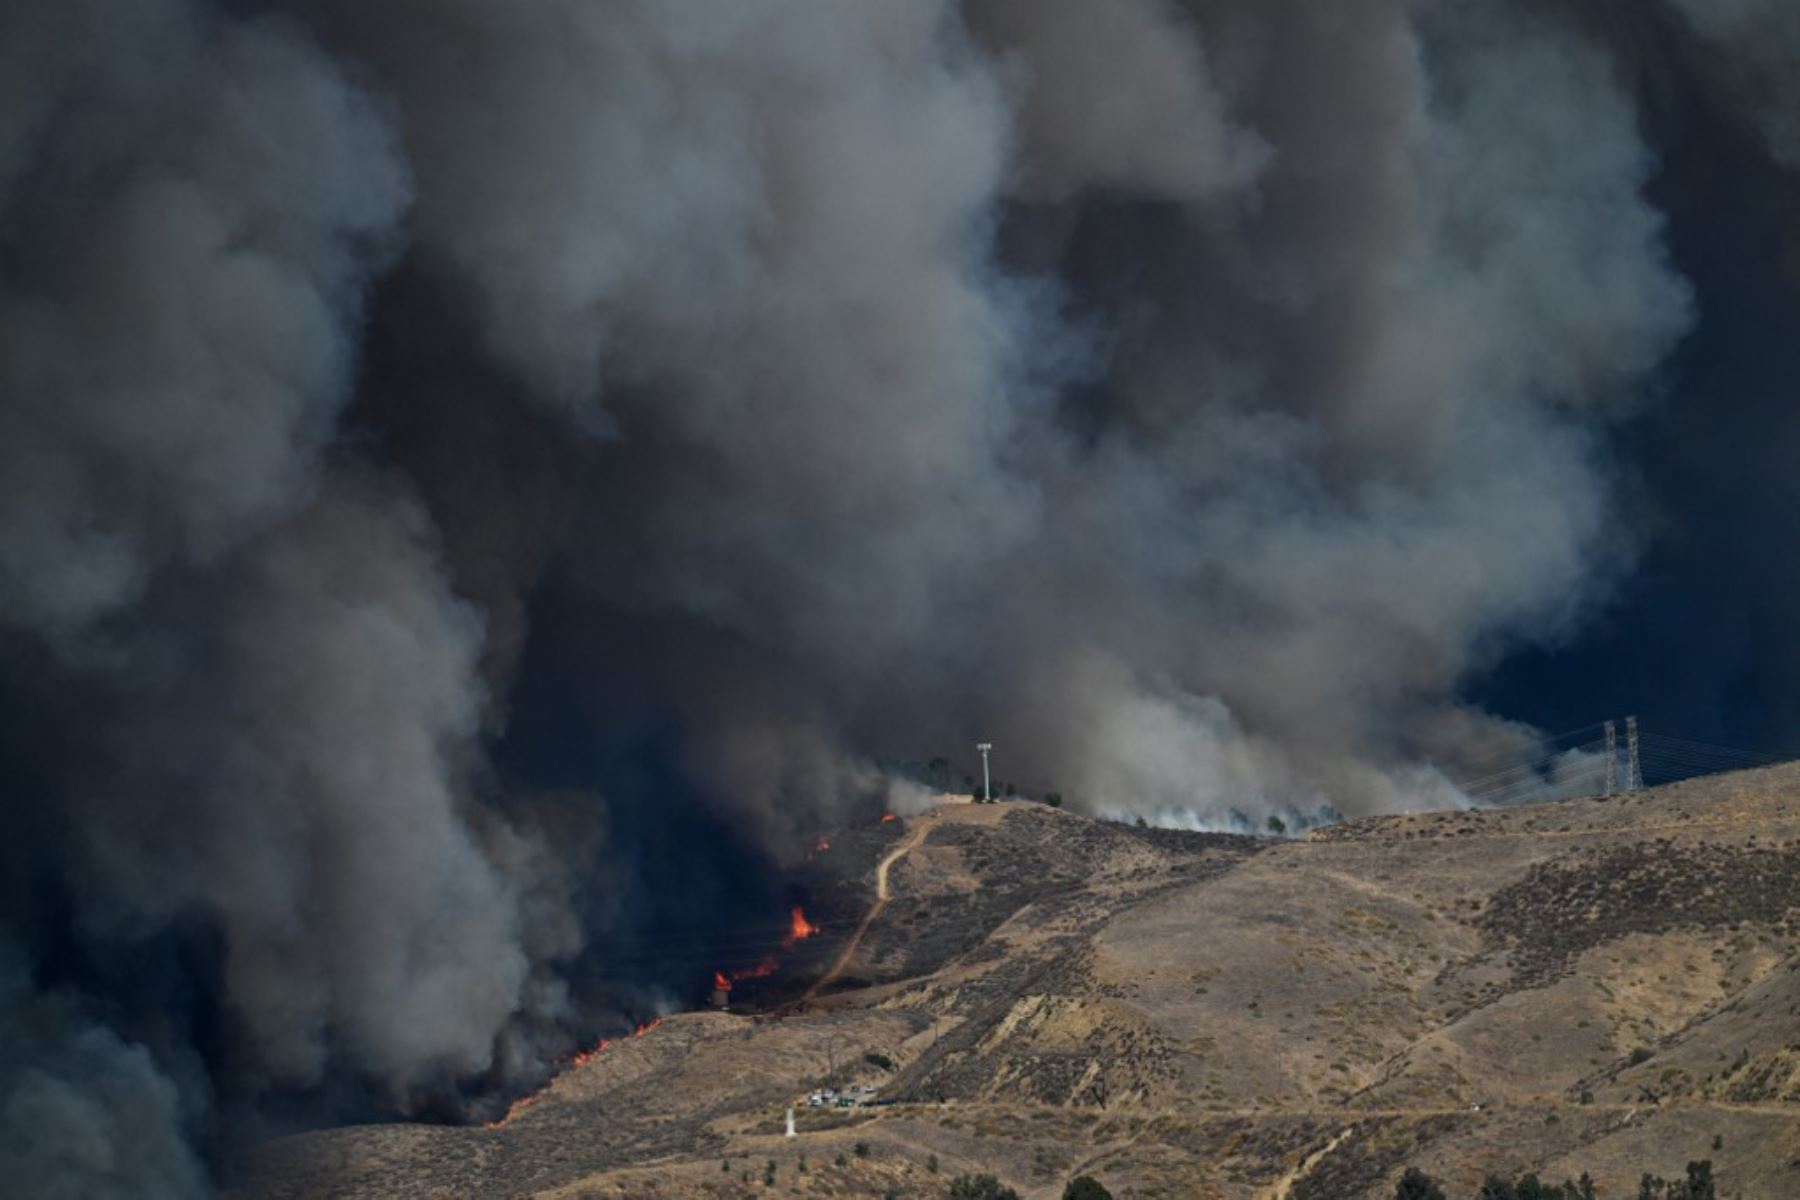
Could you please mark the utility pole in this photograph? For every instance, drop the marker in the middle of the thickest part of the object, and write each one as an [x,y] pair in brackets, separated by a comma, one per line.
[1634,778]
[987,789]
[1612,758]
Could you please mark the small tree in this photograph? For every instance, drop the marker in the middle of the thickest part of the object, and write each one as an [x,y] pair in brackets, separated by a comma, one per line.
[1054,799]
[980,1187]
[1085,1187]
[1496,1188]
[1417,1185]
[876,1059]
[1277,825]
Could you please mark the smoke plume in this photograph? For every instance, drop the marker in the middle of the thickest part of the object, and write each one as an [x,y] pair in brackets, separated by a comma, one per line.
[478,481]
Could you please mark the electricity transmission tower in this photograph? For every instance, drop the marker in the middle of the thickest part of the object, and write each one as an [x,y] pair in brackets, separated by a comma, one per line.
[1634,778]
[1612,759]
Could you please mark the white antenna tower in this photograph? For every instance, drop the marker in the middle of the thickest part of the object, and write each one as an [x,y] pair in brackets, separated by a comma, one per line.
[1612,759]
[791,1132]
[1634,778]
[987,789]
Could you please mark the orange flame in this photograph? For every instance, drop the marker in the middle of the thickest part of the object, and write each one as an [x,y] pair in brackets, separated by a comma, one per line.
[578,1059]
[799,928]
[886,817]
[822,847]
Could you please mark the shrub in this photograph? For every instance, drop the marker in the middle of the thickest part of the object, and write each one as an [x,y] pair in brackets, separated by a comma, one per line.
[875,1059]
[1054,799]
[980,1187]
[1085,1187]
[931,1164]
[1277,825]
[861,1149]
[1642,1054]
[1417,1185]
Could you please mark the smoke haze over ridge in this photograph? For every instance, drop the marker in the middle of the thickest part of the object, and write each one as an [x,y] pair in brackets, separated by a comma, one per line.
[466,467]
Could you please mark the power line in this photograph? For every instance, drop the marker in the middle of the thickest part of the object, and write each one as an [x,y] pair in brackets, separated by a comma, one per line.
[1550,772]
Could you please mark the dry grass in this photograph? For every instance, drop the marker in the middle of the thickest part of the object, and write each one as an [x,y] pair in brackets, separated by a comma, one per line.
[1613,983]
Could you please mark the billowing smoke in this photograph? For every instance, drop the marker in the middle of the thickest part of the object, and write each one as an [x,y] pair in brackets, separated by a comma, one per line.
[477,480]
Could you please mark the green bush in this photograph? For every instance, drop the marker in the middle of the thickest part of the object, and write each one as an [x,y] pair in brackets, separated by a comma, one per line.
[980,1187]
[875,1059]
[1277,825]
[1417,1185]
[1085,1187]
[1054,799]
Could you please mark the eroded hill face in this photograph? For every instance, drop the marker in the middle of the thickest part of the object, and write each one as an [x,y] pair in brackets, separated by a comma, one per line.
[1605,986]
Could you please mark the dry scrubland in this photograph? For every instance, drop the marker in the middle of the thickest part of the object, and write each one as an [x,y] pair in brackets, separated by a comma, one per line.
[1599,985]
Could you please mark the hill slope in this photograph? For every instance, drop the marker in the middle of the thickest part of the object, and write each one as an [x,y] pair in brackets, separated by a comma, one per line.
[1598,985]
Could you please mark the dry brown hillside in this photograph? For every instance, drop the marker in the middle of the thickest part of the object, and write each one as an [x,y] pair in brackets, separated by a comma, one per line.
[1601,985]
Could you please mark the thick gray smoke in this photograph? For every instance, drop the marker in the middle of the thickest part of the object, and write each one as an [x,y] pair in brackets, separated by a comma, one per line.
[1188,397]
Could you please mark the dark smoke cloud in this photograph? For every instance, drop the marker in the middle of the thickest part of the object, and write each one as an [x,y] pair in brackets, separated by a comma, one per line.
[478,481]
[1755,45]
[192,209]
[87,1115]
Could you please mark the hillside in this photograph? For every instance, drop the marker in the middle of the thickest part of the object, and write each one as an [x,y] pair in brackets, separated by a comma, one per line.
[1610,986]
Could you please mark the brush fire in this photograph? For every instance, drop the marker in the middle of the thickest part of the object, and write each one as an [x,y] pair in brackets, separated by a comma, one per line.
[579,1058]
[799,929]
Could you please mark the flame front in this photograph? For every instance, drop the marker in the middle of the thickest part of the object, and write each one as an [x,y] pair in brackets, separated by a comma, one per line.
[799,929]
[578,1059]
[886,817]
